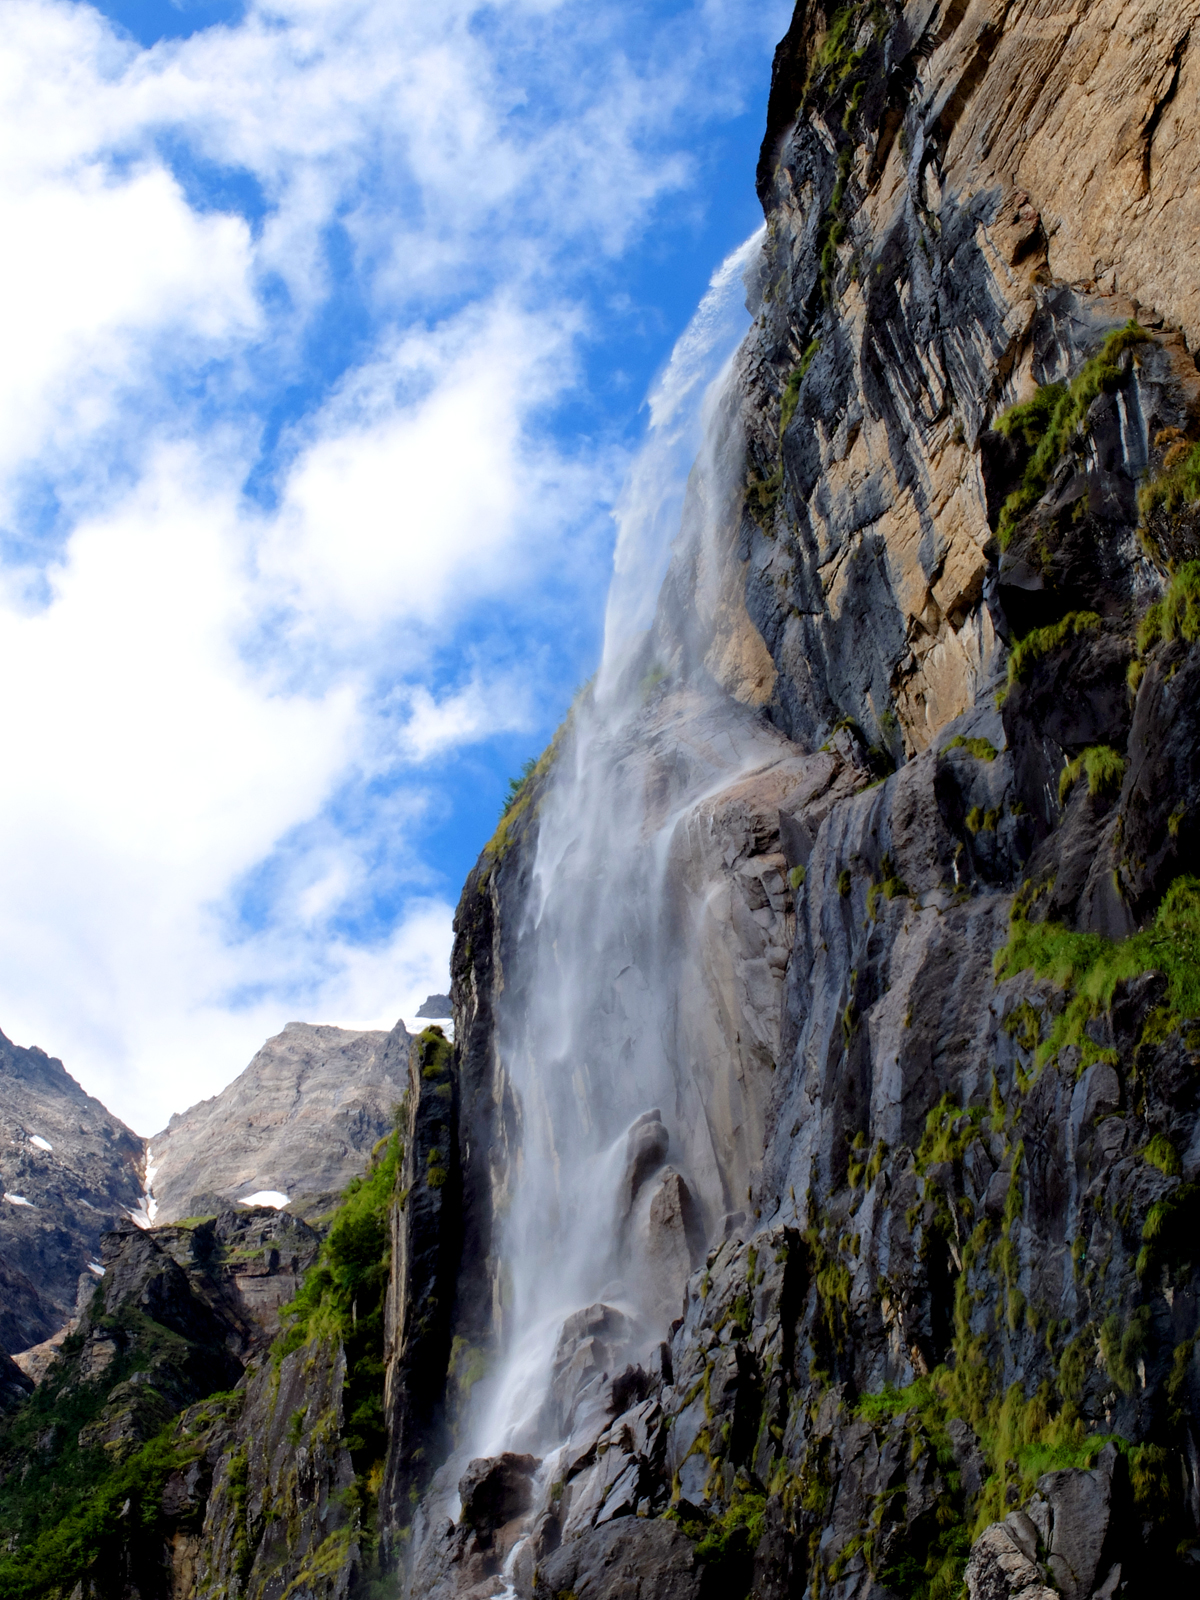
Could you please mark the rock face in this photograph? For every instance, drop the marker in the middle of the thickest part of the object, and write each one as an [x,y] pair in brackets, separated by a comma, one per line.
[299,1122]
[69,1171]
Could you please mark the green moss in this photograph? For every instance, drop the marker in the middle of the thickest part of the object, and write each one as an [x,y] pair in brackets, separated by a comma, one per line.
[791,396]
[797,876]
[981,749]
[1046,424]
[1171,1232]
[1103,766]
[745,1516]
[1041,641]
[762,493]
[843,882]
[948,1132]
[1090,966]
[891,886]
[1161,1153]
[1122,1345]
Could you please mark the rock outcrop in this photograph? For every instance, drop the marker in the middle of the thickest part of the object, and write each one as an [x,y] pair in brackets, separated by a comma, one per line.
[295,1126]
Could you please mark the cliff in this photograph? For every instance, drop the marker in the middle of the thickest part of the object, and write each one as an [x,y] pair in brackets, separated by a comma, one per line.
[913,732]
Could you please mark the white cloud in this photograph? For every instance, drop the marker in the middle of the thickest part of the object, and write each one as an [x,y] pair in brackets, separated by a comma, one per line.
[220,717]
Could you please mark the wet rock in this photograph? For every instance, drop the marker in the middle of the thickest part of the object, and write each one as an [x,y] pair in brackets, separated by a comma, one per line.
[630,1559]
[590,1347]
[646,1150]
[674,1243]
[495,1489]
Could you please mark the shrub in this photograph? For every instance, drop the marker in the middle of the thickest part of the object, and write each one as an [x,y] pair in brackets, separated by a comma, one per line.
[1104,767]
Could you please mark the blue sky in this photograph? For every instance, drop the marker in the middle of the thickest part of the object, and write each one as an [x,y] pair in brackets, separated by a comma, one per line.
[327,338]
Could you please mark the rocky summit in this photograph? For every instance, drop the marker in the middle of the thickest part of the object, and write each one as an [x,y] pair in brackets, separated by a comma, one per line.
[292,1129]
[808,1204]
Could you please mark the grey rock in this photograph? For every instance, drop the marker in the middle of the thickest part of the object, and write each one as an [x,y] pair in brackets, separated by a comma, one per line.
[87,1182]
[1002,1564]
[436,1007]
[301,1120]
[1079,1505]
[629,1559]
[495,1489]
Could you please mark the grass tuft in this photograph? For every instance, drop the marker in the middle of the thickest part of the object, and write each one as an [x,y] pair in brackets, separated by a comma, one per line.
[1042,641]
[1176,486]
[1103,766]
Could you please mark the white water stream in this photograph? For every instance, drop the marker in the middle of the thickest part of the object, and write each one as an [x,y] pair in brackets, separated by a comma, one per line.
[592,1025]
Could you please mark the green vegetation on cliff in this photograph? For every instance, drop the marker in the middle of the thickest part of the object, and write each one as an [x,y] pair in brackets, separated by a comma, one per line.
[342,1299]
[1045,424]
[81,1494]
[1089,967]
[70,1503]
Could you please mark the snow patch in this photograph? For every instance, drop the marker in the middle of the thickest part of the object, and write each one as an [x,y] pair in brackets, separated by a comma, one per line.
[19,1200]
[94,1266]
[265,1197]
[42,1144]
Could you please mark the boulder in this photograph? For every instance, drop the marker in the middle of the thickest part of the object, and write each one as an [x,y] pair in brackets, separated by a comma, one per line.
[495,1489]
[634,1558]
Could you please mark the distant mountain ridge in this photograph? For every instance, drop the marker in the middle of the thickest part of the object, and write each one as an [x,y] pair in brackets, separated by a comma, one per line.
[299,1123]
[69,1171]
[296,1126]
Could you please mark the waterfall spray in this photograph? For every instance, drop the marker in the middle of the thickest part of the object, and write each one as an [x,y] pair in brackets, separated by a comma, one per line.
[634,1141]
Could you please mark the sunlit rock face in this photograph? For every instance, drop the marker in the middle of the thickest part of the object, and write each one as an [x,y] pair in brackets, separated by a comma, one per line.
[747,984]
[292,1129]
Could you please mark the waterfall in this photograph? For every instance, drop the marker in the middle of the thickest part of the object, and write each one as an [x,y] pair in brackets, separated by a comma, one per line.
[635,1136]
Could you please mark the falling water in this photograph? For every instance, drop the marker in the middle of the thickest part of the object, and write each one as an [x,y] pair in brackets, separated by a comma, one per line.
[629,1154]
